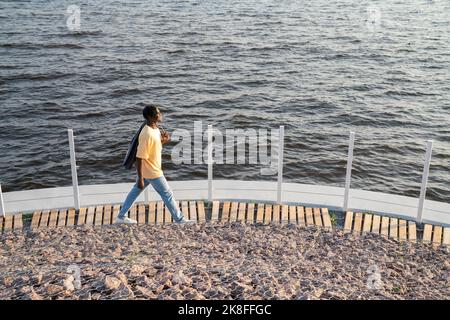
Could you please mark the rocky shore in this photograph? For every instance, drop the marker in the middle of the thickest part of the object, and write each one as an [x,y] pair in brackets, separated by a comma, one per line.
[217,261]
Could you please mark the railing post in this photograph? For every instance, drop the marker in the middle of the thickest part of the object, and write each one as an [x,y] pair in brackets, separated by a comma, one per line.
[280,164]
[147,195]
[73,165]
[423,189]
[2,204]
[348,176]
[210,163]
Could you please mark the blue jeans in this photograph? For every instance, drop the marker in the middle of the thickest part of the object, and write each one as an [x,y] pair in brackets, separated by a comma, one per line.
[162,187]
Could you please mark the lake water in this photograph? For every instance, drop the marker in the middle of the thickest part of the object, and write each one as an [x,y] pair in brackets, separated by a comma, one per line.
[320,68]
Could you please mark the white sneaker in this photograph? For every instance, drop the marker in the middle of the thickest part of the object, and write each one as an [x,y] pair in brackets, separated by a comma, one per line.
[186,221]
[125,220]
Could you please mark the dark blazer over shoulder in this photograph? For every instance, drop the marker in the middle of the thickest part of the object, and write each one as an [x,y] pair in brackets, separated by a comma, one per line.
[130,158]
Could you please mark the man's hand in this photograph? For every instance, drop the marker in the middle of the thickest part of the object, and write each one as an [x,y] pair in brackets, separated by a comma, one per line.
[165,137]
[141,183]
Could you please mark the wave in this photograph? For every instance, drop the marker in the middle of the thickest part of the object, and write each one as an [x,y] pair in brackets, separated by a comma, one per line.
[37,77]
[408,93]
[126,92]
[34,46]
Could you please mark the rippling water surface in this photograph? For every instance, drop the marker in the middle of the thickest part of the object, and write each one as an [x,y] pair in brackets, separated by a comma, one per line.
[321,68]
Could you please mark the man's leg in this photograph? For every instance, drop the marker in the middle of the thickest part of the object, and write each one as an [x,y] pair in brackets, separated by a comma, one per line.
[162,187]
[131,198]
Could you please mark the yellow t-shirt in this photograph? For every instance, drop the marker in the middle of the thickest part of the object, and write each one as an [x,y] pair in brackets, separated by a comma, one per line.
[149,150]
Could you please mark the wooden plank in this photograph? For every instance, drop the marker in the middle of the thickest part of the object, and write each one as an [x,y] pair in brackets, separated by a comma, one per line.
[358,223]
[284,213]
[201,211]
[116,211]
[412,232]
[90,216]
[376,220]
[180,207]
[71,217]
[301,216]
[132,213]
[393,228]
[225,212]
[241,211]
[384,231]
[159,212]
[193,211]
[276,213]
[62,218]
[309,217]
[427,231]
[44,219]
[18,223]
[185,209]
[53,218]
[317,217]
[268,214]
[34,221]
[141,214]
[82,216]
[233,211]
[260,213]
[167,216]
[107,215]
[437,234]
[402,229]
[8,223]
[152,212]
[293,214]
[367,223]
[215,211]
[348,222]
[98,216]
[446,237]
[326,218]
[251,213]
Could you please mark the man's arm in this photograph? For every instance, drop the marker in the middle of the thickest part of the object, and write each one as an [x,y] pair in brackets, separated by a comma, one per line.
[165,137]
[139,168]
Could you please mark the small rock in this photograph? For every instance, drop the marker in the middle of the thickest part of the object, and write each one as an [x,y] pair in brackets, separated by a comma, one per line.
[85,296]
[146,292]
[37,279]
[111,283]
[68,283]
[30,294]
[8,281]
[122,277]
[53,289]
[124,292]
[143,281]
[136,270]
[180,278]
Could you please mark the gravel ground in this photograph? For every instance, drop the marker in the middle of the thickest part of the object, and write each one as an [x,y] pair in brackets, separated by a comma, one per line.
[217,261]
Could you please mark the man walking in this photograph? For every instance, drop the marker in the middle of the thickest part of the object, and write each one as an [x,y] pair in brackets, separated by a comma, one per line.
[148,166]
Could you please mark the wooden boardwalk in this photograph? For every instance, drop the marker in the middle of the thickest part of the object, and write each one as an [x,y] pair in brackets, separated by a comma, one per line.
[144,213]
[156,213]
[270,213]
[9,223]
[398,229]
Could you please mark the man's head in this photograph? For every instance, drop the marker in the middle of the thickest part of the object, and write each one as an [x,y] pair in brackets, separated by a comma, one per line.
[152,113]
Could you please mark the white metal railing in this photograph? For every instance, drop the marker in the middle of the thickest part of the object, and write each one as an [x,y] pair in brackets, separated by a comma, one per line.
[423,189]
[73,165]
[280,193]
[348,176]
[2,204]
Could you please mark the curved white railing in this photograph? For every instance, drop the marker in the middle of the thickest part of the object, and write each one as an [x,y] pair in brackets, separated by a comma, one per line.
[337,198]
[238,190]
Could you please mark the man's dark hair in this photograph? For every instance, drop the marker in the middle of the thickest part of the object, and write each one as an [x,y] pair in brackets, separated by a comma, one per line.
[150,111]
